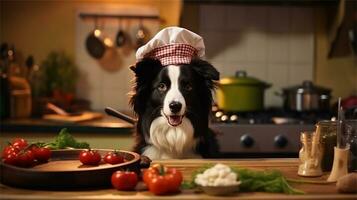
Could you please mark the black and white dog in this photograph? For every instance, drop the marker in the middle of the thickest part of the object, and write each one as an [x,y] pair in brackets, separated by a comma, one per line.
[173,104]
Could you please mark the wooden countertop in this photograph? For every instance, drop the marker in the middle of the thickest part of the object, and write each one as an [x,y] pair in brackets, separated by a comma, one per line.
[107,124]
[287,166]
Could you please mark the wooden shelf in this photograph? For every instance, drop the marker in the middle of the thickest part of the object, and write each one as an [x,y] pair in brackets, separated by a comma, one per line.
[96,16]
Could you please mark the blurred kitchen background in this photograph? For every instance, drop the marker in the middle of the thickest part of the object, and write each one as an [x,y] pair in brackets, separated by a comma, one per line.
[75,56]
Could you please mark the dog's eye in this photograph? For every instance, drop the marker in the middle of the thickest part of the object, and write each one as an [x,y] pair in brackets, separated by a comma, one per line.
[162,87]
[188,87]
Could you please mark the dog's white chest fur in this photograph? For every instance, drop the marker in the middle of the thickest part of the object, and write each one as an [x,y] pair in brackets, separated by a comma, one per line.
[168,142]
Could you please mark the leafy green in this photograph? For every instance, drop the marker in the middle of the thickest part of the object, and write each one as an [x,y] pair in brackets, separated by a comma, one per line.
[188,185]
[252,181]
[265,181]
[64,140]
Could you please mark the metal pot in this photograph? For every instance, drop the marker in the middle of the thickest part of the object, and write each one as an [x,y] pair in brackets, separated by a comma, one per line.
[306,97]
[241,93]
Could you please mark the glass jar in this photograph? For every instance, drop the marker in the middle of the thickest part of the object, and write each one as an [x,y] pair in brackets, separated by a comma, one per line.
[350,132]
[327,131]
[310,155]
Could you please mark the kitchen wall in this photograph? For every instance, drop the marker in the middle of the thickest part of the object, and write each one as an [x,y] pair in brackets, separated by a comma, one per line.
[38,27]
[107,81]
[337,73]
[236,33]
[272,43]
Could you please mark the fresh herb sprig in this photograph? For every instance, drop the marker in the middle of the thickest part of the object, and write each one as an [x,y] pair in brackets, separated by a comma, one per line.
[64,140]
[265,181]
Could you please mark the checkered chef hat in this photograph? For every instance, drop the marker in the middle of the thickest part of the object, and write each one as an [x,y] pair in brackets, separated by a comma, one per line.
[173,45]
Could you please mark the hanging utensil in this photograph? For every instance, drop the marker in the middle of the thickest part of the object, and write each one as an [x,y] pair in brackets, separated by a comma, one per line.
[121,37]
[141,34]
[94,43]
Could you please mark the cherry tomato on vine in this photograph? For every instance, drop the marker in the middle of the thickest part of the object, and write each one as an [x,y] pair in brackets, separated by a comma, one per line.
[10,158]
[20,142]
[90,157]
[10,149]
[25,158]
[113,158]
[42,154]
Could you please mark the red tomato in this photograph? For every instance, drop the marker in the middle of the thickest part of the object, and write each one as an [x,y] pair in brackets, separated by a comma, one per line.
[124,180]
[25,159]
[161,180]
[42,154]
[20,142]
[113,158]
[90,157]
[11,158]
[10,149]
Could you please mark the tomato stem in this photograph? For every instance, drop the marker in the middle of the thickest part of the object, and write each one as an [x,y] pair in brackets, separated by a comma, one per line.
[38,144]
[29,147]
[161,170]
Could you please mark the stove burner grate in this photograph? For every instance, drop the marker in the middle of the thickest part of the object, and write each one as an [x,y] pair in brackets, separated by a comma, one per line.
[269,116]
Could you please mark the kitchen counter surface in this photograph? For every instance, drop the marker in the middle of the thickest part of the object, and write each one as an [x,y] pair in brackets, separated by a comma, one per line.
[287,166]
[106,124]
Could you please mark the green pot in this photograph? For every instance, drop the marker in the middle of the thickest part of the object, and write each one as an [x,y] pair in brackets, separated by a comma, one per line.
[241,93]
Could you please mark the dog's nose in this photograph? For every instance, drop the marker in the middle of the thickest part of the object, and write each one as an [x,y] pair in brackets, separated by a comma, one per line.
[175,106]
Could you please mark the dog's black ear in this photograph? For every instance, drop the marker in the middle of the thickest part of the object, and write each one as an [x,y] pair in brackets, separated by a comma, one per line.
[145,72]
[146,69]
[206,70]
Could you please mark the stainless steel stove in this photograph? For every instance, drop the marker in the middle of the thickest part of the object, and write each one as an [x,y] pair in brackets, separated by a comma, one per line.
[269,133]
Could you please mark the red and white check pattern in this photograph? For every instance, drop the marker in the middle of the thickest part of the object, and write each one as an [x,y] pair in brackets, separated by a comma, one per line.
[173,54]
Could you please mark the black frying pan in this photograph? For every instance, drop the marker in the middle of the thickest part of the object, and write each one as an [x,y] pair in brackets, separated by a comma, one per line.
[94,44]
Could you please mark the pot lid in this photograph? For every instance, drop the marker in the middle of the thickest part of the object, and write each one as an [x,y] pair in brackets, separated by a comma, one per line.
[241,78]
[307,86]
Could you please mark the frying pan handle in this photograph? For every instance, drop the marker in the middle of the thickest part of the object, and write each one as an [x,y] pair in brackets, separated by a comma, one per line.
[145,162]
[112,112]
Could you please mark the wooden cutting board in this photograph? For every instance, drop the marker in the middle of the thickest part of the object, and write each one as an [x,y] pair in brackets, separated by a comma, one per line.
[85,116]
[287,166]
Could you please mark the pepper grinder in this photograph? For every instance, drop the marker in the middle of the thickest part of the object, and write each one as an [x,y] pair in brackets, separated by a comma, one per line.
[341,151]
